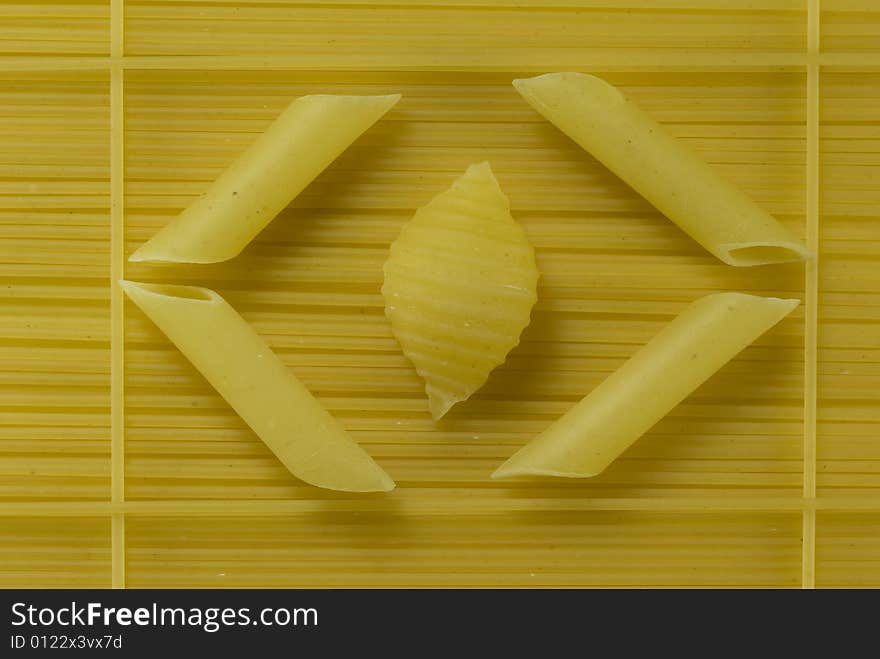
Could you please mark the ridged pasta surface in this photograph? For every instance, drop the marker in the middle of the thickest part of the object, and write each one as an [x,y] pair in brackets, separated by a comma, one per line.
[460,284]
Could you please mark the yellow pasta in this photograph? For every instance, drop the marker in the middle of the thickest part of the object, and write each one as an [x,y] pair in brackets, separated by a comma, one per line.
[460,284]
[661,168]
[259,387]
[704,337]
[296,147]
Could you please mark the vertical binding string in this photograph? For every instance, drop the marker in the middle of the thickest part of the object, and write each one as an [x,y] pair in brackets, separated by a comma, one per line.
[117,265]
[811,316]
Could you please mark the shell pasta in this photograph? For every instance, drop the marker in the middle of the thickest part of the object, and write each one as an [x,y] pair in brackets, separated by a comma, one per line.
[460,284]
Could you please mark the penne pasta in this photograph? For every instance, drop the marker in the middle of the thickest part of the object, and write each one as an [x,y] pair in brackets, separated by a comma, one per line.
[661,168]
[294,149]
[704,337]
[460,284]
[259,387]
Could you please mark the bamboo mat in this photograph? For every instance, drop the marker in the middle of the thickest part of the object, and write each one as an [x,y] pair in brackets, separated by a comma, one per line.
[120,466]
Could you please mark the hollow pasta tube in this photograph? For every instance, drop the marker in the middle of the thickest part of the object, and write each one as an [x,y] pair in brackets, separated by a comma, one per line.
[260,388]
[661,168]
[683,355]
[294,149]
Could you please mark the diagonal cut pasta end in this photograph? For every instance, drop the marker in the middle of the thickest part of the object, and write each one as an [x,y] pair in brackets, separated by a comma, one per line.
[763,252]
[302,141]
[566,89]
[259,387]
[139,292]
[514,469]
[683,355]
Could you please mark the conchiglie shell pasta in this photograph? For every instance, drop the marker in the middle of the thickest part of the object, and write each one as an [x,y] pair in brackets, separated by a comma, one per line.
[460,284]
